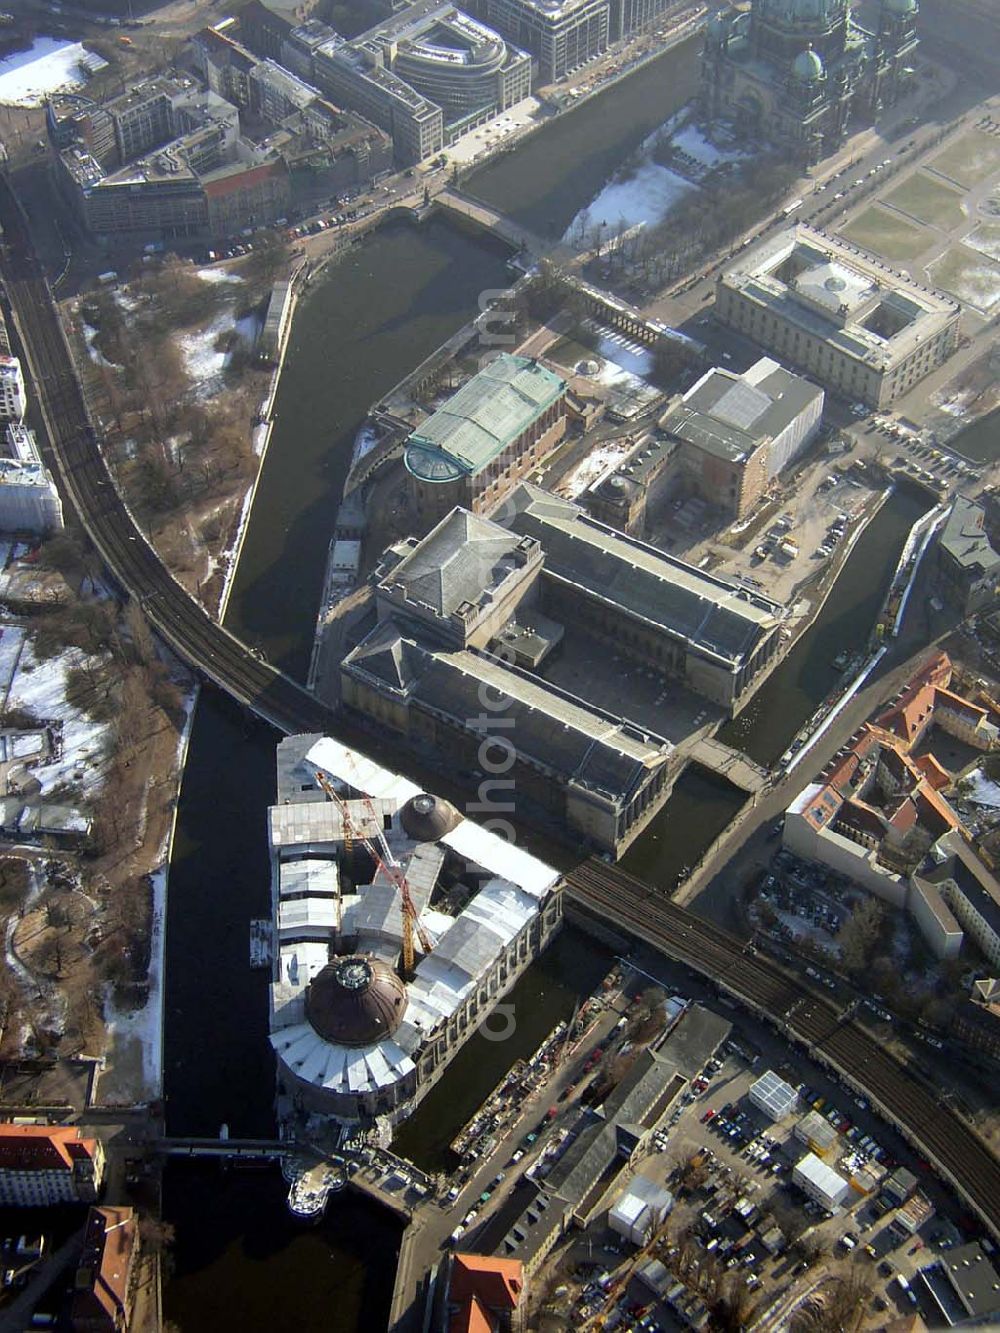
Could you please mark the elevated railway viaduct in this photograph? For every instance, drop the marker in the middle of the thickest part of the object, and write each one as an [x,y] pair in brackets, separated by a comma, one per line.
[813,1022]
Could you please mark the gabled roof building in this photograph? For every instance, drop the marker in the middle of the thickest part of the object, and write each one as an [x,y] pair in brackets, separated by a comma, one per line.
[105,1276]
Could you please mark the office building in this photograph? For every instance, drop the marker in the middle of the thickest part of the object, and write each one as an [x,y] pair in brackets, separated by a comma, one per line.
[29,501]
[796,73]
[848,321]
[561,35]
[358,1039]
[45,1165]
[12,396]
[967,566]
[737,432]
[181,169]
[357,75]
[455,61]
[498,427]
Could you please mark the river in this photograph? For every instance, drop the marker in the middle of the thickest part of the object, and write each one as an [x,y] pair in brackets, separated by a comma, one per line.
[979,441]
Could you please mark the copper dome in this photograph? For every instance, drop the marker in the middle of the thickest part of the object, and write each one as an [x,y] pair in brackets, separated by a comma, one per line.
[427,818]
[356,1001]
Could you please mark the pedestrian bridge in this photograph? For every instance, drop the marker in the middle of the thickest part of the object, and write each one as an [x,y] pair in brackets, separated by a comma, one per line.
[267,1149]
[730,764]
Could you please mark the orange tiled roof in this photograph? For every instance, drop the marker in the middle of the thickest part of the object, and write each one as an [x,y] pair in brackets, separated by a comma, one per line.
[42,1147]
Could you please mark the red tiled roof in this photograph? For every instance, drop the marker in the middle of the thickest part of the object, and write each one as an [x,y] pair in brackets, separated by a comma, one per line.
[480,1284]
[101,1293]
[936,776]
[470,1317]
[42,1147]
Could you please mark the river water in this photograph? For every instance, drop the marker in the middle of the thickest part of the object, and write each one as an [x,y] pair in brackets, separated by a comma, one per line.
[981,440]
[561,168]
[239,1261]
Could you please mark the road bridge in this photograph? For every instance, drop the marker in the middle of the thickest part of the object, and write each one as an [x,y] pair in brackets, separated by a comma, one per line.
[501,225]
[73,448]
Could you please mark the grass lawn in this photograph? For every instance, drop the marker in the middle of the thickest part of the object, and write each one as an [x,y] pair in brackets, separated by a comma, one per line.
[986,239]
[970,160]
[886,234]
[968,275]
[928,200]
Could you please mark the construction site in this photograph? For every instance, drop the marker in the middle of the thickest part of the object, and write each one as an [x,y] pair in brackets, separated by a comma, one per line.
[368,872]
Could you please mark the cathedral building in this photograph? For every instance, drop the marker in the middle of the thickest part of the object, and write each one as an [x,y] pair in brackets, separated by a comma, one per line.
[795,72]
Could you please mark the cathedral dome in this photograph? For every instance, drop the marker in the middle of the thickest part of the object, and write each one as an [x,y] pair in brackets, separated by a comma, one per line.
[804,11]
[356,1001]
[807,66]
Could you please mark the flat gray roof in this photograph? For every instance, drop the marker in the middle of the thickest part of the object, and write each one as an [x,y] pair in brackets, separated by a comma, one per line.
[719,618]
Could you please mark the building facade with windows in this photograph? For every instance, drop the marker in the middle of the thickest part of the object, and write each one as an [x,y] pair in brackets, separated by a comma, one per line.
[848,321]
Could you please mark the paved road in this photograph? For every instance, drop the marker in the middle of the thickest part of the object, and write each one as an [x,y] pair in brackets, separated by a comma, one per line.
[204,644]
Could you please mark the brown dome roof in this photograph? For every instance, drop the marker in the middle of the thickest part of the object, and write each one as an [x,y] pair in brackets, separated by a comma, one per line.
[427,818]
[356,1001]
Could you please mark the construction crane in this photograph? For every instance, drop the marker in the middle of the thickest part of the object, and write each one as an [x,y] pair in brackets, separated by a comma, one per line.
[390,867]
[624,1275]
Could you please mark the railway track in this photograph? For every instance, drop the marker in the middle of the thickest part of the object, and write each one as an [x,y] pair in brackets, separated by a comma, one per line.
[814,1021]
[74,451]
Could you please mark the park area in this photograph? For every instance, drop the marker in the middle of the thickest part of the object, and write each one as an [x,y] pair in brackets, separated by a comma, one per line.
[969,275]
[928,200]
[970,160]
[887,234]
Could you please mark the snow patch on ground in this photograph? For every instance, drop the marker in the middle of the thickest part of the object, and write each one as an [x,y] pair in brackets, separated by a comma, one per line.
[646,196]
[11,643]
[648,191]
[203,361]
[40,688]
[598,464]
[984,790]
[27,78]
[217,275]
[94,352]
[621,354]
[364,442]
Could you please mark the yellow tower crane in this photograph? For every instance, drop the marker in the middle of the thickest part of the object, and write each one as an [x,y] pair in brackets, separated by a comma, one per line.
[387,863]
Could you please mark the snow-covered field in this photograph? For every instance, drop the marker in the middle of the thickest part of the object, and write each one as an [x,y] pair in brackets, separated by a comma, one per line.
[203,361]
[27,78]
[40,688]
[11,642]
[646,196]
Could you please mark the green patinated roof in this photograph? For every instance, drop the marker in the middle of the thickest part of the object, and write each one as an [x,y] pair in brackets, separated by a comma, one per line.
[481,418]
